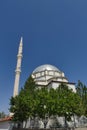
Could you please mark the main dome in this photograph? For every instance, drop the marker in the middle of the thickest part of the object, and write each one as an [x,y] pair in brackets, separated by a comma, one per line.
[46,67]
[50,76]
[46,73]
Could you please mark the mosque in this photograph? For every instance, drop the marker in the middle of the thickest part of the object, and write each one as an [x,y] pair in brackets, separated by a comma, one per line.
[50,76]
[44,75]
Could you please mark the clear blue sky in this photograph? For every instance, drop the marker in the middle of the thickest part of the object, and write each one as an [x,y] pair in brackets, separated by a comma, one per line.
[54,32]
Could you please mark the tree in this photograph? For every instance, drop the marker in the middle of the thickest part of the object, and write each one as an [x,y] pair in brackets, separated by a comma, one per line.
[46,103]
[82,92]
[23,105]
[30,85]
[33,101]
[62,102]
[69,103]
[2,114]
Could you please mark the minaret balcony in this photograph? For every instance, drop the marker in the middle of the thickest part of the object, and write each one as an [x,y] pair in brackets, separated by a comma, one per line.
[18,71]
[19,56]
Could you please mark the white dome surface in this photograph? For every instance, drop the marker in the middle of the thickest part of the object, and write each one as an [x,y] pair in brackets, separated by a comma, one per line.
[50,75]
[46,73]
[46,67]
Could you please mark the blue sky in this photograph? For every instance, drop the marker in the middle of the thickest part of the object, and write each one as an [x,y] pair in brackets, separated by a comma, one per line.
[54,32]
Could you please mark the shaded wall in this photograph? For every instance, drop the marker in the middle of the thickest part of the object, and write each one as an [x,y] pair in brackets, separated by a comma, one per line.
[41,129]
[4,124]
[53,129]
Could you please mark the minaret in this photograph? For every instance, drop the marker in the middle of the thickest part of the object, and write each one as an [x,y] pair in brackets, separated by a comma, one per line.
[18,68]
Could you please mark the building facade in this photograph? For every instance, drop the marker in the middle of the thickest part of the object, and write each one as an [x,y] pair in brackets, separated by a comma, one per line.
[51,76]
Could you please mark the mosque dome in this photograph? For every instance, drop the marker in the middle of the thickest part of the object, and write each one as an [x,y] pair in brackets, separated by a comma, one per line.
[46,73]
[46,67]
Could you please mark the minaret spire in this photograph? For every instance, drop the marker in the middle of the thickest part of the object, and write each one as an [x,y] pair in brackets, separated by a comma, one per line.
[18,68]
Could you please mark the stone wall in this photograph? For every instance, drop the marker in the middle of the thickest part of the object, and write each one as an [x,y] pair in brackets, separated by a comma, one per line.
[52,129]
[43,129]
[81,128]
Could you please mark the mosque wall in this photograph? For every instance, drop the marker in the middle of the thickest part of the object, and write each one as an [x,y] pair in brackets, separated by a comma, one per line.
[55,85]
[72,86]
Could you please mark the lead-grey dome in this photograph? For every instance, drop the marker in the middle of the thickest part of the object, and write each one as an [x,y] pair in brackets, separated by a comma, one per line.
[50,76]
[45,73]
[46,67]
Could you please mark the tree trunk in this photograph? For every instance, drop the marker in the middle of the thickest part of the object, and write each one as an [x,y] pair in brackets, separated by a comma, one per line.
[65,122]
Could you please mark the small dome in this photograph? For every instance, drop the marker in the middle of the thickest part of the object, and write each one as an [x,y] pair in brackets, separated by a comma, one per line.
[46,67]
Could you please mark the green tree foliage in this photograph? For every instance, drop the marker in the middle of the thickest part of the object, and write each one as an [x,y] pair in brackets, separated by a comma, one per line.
[69,102]
[62,102]
[41,102]
[33,101]
[23,105]
[30,84]
[2,114]
[52,102]
[82,92]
